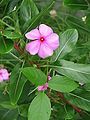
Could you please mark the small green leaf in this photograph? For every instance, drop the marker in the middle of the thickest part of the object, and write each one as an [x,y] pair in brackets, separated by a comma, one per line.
[35,75]
[68,40]
[62,84]
[40,108]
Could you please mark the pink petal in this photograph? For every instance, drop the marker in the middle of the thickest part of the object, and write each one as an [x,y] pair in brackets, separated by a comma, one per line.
[45,30]
[33,34]
[43,87]
[45,50]
[53,41]
[49,77]
[33,47]
[5,76]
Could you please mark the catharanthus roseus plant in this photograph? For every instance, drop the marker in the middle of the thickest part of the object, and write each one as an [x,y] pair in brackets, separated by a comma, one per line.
[44,60]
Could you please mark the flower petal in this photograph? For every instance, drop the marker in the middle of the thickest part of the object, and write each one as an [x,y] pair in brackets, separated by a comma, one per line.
[33,34]
[45,51]
[45,30]
[6,77]
[53,41]
[43,87]
[33,47]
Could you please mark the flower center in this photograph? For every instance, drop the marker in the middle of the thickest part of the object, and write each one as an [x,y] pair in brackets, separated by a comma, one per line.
[42,39]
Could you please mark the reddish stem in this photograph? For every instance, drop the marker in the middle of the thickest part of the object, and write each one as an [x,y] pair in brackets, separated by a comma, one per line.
[16,46]
[67,102]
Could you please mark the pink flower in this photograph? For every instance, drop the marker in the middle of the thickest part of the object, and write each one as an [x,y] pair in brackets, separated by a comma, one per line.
[4,75]
[43,87]
[44,41]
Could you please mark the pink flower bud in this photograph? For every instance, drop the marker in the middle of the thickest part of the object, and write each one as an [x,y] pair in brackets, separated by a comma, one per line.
[4,75]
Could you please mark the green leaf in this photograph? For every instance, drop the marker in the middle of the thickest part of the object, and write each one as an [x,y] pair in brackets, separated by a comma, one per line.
[5,45]
[68,40]
[40,108]
[23,110]
[62,84]
[12,35]
[76,4]
[77,72]
[28,9]
[35,75]
[17,81]
[79,101]
[31,23]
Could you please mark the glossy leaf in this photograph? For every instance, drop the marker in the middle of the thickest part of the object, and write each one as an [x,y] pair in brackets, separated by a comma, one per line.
[35,75]
[40,108]
[62,84]
[77,72]
[17,81]
[68,40]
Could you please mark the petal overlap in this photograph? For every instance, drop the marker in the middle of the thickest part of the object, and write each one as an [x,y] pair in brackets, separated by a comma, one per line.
[33,47]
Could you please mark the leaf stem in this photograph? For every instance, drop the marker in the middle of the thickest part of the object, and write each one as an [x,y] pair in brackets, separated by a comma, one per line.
[16,57]
[32,91]
[1,21]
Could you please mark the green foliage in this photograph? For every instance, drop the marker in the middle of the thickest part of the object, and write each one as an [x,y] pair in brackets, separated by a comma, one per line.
[62,84]
[6,45]
[78,72]
[12,35]
[80,101]
[40,108]
[31,23]
[17,81]
[36,76]
[8,114]
[28,9]
[68,40]
[76,4]
[68,93]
